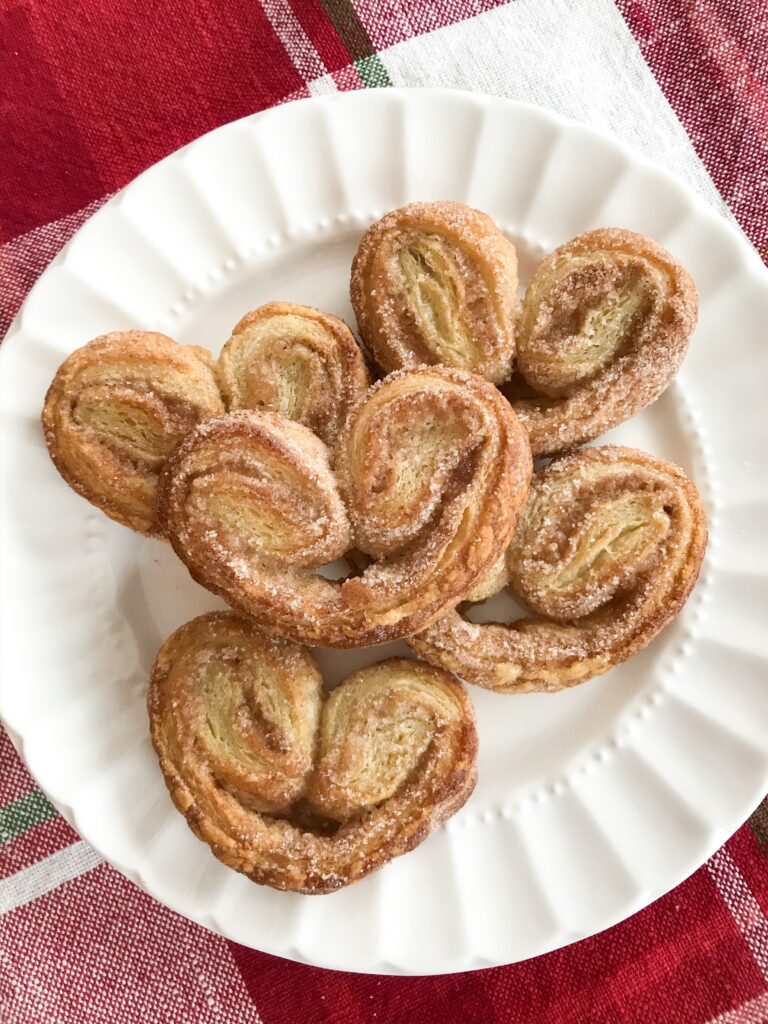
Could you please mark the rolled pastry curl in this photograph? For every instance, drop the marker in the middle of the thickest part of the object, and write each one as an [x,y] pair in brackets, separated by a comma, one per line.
[431,471]
[436,283]
[297,361]
[605,326]
[606,554]
[116,409]
[296,791]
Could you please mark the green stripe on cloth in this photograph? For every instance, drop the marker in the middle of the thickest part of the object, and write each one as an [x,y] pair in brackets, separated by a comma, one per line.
[26,812]
[372,72]
[759,825]
[358,44]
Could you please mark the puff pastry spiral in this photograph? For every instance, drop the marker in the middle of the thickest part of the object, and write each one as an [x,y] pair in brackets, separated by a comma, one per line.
[297,361]
[116,409]
[605,554]
[437,283]
[297,791]
[431,470]
[605,326]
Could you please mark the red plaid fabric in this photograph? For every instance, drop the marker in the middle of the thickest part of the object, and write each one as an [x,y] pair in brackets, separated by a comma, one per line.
[94,92]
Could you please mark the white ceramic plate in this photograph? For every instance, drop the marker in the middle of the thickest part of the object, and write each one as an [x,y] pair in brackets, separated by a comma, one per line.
[591,803]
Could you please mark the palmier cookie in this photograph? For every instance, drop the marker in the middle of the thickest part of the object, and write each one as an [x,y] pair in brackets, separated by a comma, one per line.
[429,475]
[605,554]
[294,789]
[116,409]
[605,326]
[436,283]
[297,361]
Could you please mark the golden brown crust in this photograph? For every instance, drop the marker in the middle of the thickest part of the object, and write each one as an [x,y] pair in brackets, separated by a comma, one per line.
[297,361]
[605,326]
[606,553]
[115,410]
[437,283]
[431,471]
[296,792]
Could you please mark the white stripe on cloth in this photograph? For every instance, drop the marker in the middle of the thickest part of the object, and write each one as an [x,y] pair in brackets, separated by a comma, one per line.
[103,951]
[25,257]
[322,86]
[33,882]
[580,60]
[745,909]
[295,40]
[754,1011]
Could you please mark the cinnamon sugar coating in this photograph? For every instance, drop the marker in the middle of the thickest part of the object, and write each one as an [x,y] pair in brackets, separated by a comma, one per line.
[295,790]
[116,409]
[605,554]
[436,283]
[429,475]
[605,325]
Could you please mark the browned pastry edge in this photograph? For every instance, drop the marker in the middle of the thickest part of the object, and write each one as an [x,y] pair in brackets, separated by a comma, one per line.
[334,371]
[636,375]
[99,472]
[298,852]
[626,604]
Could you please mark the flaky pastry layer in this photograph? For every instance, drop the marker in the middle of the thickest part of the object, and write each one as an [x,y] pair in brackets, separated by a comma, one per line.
[116,409]
[436,283]
[606,553]
[297,790]
[429,475]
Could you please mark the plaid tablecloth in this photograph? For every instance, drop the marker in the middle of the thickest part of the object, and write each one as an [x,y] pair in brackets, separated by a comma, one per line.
[93,91]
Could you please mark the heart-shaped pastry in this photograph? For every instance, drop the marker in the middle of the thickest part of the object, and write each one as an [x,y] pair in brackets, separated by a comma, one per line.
[295,789]
[297,361]
[606,553]
[429,475]
[437,283]
[605,326]
[116,409]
